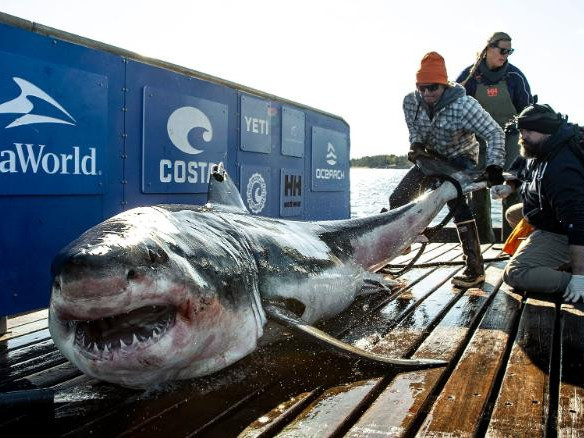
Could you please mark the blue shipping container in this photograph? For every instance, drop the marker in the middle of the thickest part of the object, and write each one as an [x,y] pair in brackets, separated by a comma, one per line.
[88,130]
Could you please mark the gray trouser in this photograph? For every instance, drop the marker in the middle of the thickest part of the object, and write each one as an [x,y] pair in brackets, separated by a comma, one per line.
[534,267]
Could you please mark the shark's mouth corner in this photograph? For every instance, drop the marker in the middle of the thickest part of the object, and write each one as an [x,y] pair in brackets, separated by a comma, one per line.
[105,338]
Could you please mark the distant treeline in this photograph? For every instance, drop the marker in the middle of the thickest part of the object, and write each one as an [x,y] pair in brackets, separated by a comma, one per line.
[382,162]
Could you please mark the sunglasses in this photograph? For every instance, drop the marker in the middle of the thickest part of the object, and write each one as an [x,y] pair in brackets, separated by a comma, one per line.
[431,88]
[503,51]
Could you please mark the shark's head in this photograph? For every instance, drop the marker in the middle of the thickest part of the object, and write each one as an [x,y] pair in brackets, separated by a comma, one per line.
[154,294]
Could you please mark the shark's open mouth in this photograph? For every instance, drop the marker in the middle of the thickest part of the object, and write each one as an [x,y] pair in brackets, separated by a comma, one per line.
[143,326]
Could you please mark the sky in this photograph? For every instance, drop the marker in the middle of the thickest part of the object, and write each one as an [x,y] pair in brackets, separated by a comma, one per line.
[353,58]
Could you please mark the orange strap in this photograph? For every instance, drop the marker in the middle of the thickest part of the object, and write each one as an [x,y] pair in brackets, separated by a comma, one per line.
[519,233]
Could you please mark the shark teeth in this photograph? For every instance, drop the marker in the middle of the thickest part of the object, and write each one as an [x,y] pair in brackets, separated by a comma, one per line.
[138,329]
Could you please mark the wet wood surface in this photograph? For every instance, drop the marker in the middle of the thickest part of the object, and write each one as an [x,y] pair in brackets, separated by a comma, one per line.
[515,368]
[571,391]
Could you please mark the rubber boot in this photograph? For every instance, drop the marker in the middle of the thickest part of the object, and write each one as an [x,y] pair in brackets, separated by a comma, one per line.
[474,273]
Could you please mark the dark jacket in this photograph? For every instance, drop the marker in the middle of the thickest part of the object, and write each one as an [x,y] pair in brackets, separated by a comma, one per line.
[553,195]
[516,83]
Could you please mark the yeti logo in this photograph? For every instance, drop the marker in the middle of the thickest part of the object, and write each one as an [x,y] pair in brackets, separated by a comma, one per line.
[23,105]
[256,193]
[188,124]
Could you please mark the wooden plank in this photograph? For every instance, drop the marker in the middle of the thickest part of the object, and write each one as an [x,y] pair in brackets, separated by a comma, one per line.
[396,408]
[383,320]
[364,311]
[13,357]
[430,248]
[571,400]
[522,406]
[458,408]
[25,340]
[327,414]
[25,329]
[272,422]
[51,376]
[31,366]
[26,318]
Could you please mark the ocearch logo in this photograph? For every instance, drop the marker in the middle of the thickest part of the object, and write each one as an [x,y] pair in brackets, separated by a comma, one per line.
[24,106]
[185,120]
[331,156]
[331,159]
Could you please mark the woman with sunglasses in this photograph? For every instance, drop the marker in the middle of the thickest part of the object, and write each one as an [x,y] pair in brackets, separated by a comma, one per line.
[443,121]
[502,90]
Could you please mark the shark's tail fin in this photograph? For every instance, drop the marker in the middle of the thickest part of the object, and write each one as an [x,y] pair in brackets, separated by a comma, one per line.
[469,179]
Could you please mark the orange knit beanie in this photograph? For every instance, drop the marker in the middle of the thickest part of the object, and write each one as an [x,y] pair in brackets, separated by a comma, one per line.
[432,70]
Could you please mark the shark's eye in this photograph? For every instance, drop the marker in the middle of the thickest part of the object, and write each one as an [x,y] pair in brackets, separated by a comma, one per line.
[131,274]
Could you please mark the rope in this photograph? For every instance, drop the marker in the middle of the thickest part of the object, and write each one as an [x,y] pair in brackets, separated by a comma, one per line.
[387,269]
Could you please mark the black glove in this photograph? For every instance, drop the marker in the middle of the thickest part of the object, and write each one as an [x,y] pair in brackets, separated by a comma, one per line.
[416,149]
[494,175]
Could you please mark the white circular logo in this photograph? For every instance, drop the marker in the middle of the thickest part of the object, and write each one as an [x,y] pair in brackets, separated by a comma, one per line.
[256,193]
[182,121]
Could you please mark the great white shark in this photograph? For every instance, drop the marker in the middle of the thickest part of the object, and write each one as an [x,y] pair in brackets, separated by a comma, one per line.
[172,292]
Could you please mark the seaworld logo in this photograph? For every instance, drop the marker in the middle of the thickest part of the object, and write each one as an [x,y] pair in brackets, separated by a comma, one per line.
[30,158]
[188,129]
[23,106]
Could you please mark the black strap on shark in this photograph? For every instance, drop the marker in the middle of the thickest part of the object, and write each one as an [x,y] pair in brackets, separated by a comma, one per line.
[294,323]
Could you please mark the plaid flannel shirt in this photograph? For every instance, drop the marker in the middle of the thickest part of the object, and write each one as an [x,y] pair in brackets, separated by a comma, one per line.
[451,133]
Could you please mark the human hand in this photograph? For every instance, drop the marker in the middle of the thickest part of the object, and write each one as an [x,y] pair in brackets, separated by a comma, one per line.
[501,191]
[494,175]
[416,150]
[575,289]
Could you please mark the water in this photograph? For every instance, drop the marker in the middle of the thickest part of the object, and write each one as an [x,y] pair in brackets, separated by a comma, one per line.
[370,190]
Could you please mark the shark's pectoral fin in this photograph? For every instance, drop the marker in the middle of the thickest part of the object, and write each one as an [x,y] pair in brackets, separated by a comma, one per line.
[374,282]
[291,321]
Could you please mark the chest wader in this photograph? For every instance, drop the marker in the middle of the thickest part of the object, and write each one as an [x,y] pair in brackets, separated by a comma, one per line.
[496,100]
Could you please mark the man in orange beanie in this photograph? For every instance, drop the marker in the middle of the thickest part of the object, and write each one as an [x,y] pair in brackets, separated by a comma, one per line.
[443,120]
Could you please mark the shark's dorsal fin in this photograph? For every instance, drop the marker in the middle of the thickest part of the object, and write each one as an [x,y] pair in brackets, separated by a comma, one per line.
[291,321]
[222,192]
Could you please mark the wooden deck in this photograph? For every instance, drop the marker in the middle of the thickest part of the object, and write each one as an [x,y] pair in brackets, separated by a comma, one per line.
[516,368]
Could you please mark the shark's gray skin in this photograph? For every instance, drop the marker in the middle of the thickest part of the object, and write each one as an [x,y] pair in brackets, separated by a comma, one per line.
[179,291]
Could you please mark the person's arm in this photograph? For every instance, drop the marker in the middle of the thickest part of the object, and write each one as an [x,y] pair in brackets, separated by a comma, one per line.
[469,84]
[521,91]
[412,110]
[575,290]
[565,188]
[577,258]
